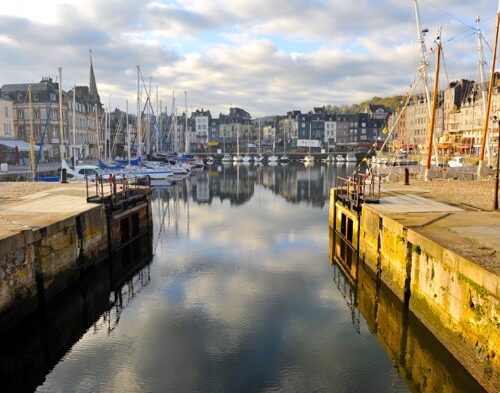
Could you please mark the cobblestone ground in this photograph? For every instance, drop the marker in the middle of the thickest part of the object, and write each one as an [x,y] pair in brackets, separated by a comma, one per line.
[12,191]
[468,193]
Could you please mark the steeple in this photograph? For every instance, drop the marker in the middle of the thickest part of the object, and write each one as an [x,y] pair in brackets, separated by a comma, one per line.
[93,94]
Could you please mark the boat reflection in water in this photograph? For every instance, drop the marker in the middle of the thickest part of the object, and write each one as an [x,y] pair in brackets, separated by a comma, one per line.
[93,304]
[421,360]
[296,182]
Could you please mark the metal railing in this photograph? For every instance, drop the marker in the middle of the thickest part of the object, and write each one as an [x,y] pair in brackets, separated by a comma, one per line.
[358,189]
[114,189]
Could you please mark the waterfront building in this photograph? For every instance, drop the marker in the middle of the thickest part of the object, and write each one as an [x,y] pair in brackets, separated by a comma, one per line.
[379,112]
[201,119]
[45,112]
[459,120]
[7,130]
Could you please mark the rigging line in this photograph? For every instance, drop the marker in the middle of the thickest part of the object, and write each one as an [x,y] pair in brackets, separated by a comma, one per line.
[488,45]
[450,15]
[460,36]
[445,68]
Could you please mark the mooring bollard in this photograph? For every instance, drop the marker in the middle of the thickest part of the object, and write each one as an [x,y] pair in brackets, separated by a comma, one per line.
[407,177]
[64,175]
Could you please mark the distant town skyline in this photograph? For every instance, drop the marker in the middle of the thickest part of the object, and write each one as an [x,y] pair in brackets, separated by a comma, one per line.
[265,57]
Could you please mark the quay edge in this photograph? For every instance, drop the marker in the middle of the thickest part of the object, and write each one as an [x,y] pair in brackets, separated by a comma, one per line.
[50,238]
[408,242]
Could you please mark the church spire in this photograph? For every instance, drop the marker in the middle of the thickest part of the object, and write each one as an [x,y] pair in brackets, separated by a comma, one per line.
[94,95]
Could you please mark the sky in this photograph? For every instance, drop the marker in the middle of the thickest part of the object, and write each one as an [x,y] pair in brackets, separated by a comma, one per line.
[268,57]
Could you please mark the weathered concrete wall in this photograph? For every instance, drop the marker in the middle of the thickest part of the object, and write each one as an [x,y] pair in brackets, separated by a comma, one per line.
[419,357]
[17,273]
[36,264]
[457,300]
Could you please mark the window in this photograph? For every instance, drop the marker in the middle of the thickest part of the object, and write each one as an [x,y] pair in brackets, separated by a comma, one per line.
[7,130]
[35,97]
[20,97]
[6,111]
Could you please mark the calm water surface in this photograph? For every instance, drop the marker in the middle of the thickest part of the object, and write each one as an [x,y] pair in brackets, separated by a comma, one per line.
[240,297]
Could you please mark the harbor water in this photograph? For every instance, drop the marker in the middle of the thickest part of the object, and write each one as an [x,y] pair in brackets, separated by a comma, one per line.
[239,296]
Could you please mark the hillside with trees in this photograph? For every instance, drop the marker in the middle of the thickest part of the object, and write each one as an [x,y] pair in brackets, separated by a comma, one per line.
[391,103]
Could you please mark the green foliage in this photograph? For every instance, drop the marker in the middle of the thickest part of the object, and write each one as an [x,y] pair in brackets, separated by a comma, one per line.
[391,103]
[480,290]
[416,249]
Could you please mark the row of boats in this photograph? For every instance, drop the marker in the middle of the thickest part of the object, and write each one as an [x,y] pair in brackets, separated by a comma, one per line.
[350,157]
[159,167]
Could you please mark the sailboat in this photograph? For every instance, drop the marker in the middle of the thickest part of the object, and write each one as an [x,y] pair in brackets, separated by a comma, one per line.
[309,158]
[274,157]
[237,157]
[284,157]
[248,158]
[226,158]
[259,157]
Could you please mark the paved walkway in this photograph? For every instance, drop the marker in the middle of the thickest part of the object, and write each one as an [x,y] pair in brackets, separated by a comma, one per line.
[42,207]
[472,234]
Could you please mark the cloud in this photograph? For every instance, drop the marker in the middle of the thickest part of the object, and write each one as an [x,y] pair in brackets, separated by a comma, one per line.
[268,57]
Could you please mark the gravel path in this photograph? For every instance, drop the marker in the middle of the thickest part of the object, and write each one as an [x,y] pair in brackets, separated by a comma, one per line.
[466,193]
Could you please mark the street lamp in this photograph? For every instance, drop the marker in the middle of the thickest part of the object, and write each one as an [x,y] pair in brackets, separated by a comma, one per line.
[497,176]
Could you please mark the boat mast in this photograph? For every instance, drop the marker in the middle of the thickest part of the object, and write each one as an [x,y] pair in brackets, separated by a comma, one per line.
[61,124]
[139,134]
[423,69]
[310,127]
[186,132]
[248,140]
[107,138]
[424,66]
[434,105]
[274,135]
[480,50]
[32,138]
[490,92]
[128,134]
[237,141]
[97,133]
[284,140]
[74,126]
[158,105]
[260,151]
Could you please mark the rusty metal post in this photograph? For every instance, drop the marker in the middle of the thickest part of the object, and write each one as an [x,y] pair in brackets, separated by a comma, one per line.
[64,176]
[407,177]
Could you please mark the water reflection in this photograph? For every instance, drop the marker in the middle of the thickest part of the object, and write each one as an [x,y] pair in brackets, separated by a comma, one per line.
[295,182]
[94,304]
[240,298]
[421,360]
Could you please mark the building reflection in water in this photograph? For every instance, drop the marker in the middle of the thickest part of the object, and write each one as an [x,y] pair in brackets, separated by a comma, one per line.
[421,360]
[295,182]
[94,303]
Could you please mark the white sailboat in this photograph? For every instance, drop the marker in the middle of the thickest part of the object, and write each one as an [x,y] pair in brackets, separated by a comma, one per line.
[309,158]
[226,158]
[351,157]
[248,158]
[259,157]
[284,157]
[274,157]
[237,157]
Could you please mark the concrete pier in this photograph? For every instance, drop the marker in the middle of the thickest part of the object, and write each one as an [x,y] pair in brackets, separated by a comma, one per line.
[49,237]
[441,261]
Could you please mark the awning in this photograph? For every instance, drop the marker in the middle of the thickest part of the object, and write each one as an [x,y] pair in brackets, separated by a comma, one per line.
[12,143]
[444,145]
[213,143]
[407,146]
